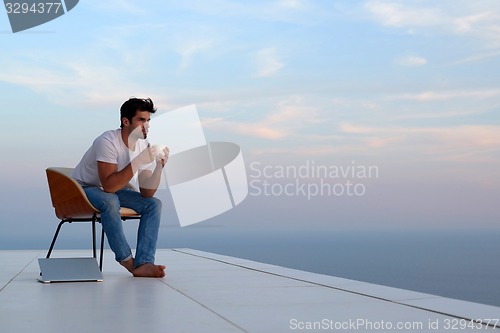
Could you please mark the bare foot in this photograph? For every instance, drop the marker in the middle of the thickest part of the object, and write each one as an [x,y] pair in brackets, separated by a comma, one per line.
[149,270]
[129,265]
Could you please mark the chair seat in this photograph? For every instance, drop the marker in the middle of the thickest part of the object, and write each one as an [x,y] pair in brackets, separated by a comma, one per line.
[124,211]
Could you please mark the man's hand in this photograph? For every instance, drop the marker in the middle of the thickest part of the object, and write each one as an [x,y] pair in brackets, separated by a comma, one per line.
[164,157]
[160,154]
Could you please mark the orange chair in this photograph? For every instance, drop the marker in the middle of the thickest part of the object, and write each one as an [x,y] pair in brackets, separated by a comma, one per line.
[71,205]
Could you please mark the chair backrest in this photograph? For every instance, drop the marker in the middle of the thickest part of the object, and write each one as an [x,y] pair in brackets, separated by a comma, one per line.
[68,197]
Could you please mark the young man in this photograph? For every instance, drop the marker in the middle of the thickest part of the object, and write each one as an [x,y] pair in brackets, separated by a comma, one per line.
[105,171]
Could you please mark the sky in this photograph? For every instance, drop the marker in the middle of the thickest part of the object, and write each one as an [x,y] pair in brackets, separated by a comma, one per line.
[407,89]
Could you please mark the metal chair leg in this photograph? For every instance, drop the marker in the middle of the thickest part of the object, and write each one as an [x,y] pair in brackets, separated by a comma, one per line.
[94,250]
[55,237]
[102,248]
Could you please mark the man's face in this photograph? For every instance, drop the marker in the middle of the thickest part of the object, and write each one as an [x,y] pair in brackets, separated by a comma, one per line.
[139,126]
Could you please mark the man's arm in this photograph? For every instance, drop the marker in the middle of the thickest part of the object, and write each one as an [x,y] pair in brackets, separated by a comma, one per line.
[113,180]
[150,181]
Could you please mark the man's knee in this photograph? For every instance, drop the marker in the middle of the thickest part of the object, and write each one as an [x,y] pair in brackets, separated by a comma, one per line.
[155,203]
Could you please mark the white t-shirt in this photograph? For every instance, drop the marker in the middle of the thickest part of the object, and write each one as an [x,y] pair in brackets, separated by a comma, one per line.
[110,148]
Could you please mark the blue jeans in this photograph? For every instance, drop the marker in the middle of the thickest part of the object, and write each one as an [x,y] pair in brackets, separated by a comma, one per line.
[147,235]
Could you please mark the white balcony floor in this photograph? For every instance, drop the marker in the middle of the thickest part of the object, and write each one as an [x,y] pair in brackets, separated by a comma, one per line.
[205,292]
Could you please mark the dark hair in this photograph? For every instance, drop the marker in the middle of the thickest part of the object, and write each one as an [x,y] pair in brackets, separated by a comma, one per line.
[130,107]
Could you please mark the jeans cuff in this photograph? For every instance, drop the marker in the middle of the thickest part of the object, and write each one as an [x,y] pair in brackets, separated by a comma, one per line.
[128,258]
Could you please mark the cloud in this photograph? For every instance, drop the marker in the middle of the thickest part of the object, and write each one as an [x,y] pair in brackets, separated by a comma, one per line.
[477,57]
[440,141]
[401,15]
[100,71]
[412,61]
[469,23]
[290,11]
[483,26]
[189,48]
[286,119]
[291,3]
[76,82]
[254,129]
[63,85]
[476,19]
[267,62]
[428,96]
[121,6]
[305,150]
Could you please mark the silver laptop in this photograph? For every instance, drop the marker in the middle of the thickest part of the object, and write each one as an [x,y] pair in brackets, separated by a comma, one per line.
[69,270]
